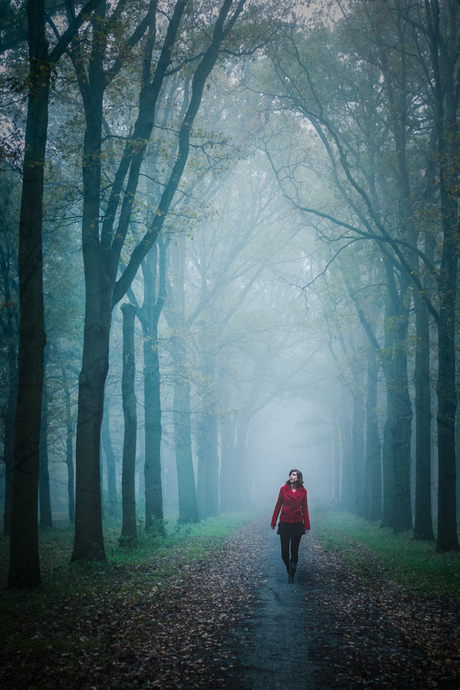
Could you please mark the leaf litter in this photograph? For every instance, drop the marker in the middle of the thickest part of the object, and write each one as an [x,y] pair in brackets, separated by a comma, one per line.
[193,627]
[374,633]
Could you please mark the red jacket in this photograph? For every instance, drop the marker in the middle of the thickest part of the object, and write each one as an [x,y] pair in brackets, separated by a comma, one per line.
[293,506]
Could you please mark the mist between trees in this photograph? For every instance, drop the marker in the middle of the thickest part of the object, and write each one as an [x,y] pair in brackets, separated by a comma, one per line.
[229,247]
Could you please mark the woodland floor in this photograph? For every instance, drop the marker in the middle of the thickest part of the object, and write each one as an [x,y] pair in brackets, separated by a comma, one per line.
[234,622]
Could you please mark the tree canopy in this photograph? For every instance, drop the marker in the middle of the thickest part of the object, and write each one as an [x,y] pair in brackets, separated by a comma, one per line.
[275,191]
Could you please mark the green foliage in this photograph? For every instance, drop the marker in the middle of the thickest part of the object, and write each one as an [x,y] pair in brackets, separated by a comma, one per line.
[373,552]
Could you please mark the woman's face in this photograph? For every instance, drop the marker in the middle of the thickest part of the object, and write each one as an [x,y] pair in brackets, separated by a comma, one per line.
[293,477]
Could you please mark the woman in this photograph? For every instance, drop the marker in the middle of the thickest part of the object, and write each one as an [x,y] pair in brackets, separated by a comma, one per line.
[294,519]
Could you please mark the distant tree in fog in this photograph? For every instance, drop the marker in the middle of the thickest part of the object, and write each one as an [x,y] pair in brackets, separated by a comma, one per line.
[374,110]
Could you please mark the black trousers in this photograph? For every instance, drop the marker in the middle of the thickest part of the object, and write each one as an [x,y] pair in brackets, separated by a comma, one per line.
[290,544]
[290,536]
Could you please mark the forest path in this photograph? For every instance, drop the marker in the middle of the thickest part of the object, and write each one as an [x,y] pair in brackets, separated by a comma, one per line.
[229,620]
[329,630]
[279,648]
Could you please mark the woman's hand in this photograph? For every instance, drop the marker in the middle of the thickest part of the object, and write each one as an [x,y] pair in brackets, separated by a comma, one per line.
[273,526]
[307,531]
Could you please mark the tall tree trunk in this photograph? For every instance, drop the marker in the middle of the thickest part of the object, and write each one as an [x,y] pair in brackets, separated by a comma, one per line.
[401,432]
[129,527]
[149,316]
[89,541]
[208,467]
[402,423]
[44,477]
[335,426]
[242,485]
[9,421]
[388,465]
[152,407]
[442,33]
[423,523]
[373,473]
[386,357]
[396,509]
[69,449]
[110,462]
[227,480]
[447,537]
[355,497]
[357,433]
[348,497]
[188,506]
[208,457]
[24,570]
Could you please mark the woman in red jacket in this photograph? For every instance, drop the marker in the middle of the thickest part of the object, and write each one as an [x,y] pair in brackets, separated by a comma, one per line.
[294,520]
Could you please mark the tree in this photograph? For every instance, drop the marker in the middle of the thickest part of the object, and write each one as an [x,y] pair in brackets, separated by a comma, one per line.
[24,556]
[129,526]
[433,42]
[149,316]
[44,475]
[102,246]
[373,462]
[9,325]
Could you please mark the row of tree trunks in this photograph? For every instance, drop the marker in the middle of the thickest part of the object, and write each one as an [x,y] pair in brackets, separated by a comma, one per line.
[102,251]
[24,570]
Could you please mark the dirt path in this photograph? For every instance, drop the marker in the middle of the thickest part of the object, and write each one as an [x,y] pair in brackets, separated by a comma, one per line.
[329,631]
[279,648]
[232,622]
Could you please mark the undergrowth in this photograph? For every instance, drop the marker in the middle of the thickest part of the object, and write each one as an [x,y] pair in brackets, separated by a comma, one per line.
[372,552]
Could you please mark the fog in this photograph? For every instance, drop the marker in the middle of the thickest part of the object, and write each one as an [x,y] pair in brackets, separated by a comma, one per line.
[282,237]
[289,437]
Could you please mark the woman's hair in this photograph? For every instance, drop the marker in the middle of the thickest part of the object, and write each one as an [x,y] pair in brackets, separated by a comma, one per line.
[299,477]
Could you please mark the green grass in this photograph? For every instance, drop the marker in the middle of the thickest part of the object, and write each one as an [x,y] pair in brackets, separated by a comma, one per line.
[414,565]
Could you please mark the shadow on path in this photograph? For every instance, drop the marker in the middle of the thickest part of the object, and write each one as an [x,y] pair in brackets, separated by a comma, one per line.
[327,631]
[280,648]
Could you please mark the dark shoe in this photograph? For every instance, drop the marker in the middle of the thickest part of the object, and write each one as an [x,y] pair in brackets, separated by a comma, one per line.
[292,569]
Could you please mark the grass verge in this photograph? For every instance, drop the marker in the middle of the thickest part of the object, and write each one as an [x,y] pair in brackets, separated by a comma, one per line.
[372,552]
